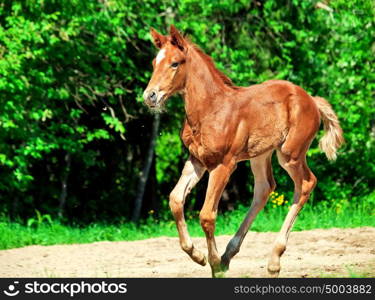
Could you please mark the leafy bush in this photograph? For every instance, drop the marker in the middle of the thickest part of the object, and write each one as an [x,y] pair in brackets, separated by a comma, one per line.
[73,72]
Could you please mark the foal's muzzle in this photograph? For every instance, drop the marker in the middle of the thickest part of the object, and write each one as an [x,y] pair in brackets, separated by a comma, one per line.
[152,97]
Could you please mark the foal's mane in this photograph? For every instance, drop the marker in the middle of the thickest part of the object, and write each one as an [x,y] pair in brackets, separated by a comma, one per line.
[211,65]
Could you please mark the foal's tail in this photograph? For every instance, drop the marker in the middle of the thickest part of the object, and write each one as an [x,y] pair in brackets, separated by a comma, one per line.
[333,137]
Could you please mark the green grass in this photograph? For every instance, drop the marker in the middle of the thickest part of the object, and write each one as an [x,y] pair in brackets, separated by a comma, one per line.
[352,272]
[45,231]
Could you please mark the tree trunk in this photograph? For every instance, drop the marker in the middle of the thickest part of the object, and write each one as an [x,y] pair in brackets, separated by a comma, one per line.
[146,170]
[64,185]
[14,208]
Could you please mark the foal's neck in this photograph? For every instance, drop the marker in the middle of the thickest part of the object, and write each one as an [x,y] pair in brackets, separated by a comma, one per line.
[204,87]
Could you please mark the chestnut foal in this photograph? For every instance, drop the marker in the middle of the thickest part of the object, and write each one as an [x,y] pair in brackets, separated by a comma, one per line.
[226,124]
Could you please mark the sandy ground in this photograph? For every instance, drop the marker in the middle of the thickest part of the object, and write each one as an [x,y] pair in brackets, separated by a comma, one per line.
[309,253]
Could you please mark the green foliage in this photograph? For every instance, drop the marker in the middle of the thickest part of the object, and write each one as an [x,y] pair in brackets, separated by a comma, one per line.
[39,220]
[72,75]
[50,232]
[167,159]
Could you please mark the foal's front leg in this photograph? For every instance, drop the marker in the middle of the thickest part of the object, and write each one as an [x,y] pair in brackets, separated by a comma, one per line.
[191,174]
[216,184]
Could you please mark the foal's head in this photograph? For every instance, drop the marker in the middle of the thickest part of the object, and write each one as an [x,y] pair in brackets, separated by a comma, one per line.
[169,66]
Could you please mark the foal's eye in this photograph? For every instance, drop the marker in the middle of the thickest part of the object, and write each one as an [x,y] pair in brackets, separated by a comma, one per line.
[175,65]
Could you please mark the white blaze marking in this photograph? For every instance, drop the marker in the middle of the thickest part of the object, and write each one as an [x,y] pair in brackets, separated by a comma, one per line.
[160,56]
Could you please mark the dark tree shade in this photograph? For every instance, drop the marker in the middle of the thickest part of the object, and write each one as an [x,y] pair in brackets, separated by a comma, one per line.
[75,135]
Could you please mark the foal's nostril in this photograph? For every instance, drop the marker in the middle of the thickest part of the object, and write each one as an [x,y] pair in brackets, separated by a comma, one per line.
[153,96]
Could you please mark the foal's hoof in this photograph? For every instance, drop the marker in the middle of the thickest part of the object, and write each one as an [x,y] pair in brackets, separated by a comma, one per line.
[202,261]
[273,271]
[199,257]
[219,271]
[224,264]
[219,274]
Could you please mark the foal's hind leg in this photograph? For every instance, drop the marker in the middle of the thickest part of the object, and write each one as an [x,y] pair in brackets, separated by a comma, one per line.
[191,174]
[264,185]
[304,183]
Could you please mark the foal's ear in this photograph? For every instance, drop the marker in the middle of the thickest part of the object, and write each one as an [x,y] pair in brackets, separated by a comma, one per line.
[177,39]
[158,39]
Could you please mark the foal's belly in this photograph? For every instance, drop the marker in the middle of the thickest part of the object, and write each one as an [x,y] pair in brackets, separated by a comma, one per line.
[268,126]
[242,136]
[260,142]
[212,150]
